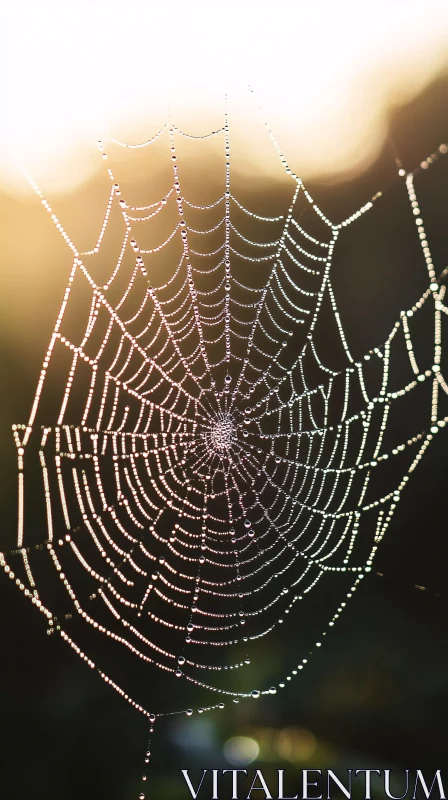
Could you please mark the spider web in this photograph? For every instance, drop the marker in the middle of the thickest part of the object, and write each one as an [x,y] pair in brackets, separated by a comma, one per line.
[204,470]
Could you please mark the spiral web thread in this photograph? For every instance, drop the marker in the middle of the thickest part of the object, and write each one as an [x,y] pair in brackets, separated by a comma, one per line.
[205,472]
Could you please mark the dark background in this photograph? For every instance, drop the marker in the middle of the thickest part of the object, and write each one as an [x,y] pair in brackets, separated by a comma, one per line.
[377,695]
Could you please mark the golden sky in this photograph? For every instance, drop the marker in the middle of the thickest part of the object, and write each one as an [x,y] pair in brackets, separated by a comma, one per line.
[325,72]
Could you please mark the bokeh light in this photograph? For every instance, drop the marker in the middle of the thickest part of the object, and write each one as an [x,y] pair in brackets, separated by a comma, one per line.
[295,744]
[241,750]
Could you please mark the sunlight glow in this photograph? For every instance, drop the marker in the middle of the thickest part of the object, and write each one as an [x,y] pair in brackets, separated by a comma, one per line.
[326,74]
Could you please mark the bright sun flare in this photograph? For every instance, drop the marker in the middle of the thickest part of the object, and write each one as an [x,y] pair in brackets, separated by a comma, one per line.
[321,69]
